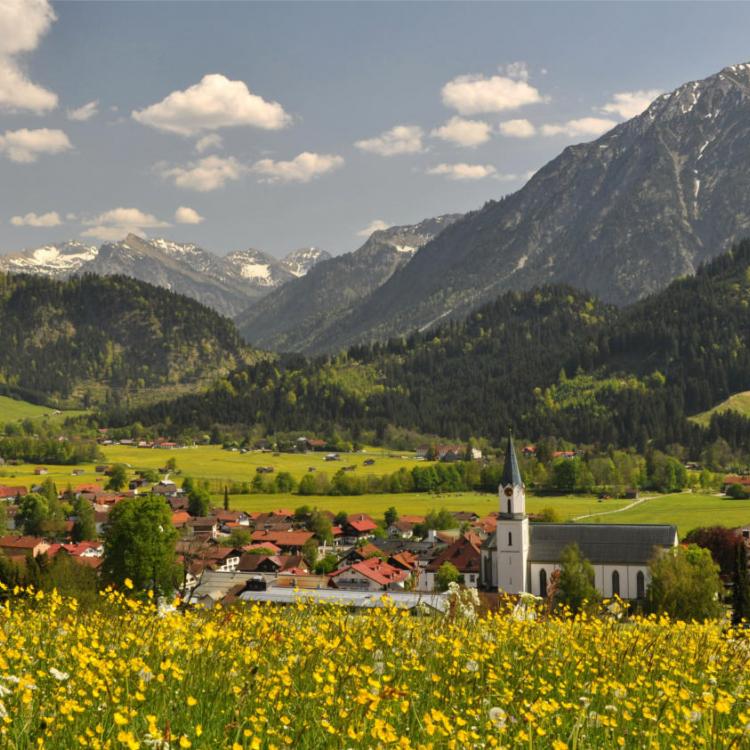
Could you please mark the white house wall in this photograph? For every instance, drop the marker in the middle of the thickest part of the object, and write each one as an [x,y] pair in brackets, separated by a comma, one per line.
[602,578]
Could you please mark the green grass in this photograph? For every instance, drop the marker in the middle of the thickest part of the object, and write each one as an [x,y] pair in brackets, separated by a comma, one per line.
[739,402]
[15,410]
[418,503]
[687,511]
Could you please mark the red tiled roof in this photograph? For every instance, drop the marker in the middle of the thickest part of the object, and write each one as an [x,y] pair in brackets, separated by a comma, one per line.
[20,542]
[88,488]
[283,538]
[463,553]
[411,519]
[362,523]
[736,479]
[268,545]
[405,559]
[376,570]
[8,491]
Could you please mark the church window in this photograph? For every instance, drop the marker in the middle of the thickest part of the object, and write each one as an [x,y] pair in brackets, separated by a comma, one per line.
[542,582]
[640,585]
[509,505]
[510,539]
[615,583]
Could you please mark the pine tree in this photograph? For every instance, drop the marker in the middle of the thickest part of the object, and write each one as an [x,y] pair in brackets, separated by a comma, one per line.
[226,498]
[741,586]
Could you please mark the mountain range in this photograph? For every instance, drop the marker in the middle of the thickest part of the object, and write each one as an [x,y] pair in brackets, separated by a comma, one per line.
[227,283]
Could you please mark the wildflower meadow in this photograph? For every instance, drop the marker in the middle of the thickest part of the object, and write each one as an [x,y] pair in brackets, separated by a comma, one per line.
[129,674]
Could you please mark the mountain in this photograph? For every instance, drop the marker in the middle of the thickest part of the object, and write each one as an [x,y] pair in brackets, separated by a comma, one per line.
[620,217]
[60,259]
[90,339]
[227,284]
[296,316]
[552,361]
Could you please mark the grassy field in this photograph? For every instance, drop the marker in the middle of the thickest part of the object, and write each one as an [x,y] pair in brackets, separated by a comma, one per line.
[739,402]
[687,511]
[14,410]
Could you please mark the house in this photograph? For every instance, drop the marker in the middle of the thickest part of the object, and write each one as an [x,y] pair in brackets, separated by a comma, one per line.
[310,444]
[288,541]
[101,519]
[20,546]
[358,526]
[372,574]
[41,470]
[215,586]
[465,554]
[206,527]
[8,492]
[730,479]
[231,517]
[521,557]
[359,553]
[404,527]
[180,519]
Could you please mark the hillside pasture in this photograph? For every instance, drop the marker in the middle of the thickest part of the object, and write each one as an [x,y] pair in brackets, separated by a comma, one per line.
[739,402]
[16,410]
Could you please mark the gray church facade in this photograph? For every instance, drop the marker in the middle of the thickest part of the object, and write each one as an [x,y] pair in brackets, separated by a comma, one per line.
[521,556]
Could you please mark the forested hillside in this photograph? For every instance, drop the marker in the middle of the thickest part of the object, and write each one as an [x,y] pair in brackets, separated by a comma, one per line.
[99,340]
[552,361]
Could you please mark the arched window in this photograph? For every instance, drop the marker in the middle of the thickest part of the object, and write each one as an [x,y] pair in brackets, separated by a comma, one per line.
[542,582]
[510,539]
[640,585]
[508,506]
[615,583]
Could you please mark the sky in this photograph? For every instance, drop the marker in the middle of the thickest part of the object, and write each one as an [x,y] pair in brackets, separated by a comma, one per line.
[284,125]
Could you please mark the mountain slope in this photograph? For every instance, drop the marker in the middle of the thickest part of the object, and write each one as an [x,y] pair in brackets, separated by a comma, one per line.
[299,314]
[634,374]
[90,339]
[620,216]
[228,284]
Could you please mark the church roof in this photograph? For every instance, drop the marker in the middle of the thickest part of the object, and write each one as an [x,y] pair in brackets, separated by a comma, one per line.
[511,472]
[631,544]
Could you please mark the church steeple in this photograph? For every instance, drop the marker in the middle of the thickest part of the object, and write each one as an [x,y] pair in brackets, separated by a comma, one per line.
[511,472]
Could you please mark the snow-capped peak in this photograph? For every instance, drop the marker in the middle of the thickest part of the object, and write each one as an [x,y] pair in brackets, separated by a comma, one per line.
[57,259]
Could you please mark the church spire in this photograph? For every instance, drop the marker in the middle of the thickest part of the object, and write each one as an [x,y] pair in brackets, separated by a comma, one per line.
[511,472]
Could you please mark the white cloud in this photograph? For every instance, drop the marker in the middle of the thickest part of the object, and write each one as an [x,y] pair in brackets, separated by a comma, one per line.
[212,140]
[517,129]
[23,23]
[402,139]
[628,104]
[585,126]
[463,171]
[118,222]
[50,219]
[215,102]
[303,168]
[472,94]
[27,145]
[376,225]
[463,132]
[204,175]
[186,215]
[85,112]
[517,70]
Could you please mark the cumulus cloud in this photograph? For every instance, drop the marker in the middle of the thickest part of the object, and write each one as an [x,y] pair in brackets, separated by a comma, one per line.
[628,104]
[463,171]
[303,168]
[463,132]
[518,70]
[585,126]
[23,23]
[50,219]
[376,225]
[215,102]
[118,222]
[212,140]
[186,215]
[517,129]
[472,94]
[85,112]
[26,145]
[206,174]
[402,139]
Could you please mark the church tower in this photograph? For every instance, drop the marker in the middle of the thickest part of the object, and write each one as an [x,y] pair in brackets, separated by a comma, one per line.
[512,535]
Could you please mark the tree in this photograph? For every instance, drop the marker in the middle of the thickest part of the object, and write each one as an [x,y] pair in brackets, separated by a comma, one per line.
[441,520]
[199,502]
[140,545]
[84,527]
[446,574]
[721,542]
[391,516]
[310,552]
[33,512]
[320,525]
[171,464]
[226,498]
[239,538]
[548,514]
[685,584]
[740,586]
[575,586]
[327,564]
[118,478]
[737,492]
[3,520]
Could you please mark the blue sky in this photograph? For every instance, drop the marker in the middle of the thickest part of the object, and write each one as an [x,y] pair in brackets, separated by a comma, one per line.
[282,125]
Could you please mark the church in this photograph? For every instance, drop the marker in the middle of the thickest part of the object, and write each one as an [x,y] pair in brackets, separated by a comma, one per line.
[521,556]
